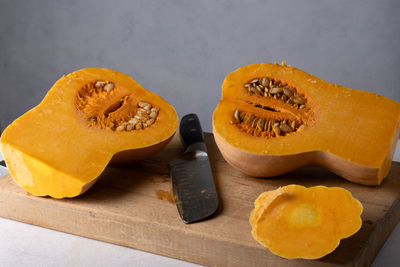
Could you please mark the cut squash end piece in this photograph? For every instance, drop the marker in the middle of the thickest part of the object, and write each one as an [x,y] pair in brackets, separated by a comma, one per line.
[299,222]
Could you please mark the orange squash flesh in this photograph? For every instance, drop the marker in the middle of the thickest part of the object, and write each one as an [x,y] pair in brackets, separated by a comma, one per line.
[350,132]
[298,222]
[61,146]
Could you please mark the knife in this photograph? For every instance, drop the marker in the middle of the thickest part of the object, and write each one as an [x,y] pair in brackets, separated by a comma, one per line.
[192,179]
[3,169]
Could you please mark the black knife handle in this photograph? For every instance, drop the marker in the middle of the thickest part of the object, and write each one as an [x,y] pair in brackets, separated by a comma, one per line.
[190,130]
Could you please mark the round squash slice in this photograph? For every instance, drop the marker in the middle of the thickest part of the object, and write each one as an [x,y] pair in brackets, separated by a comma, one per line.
[88,118]
[273,119]
[298,222]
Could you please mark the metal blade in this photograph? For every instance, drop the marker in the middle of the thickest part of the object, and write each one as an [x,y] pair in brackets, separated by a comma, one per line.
[3,169]
[193,186]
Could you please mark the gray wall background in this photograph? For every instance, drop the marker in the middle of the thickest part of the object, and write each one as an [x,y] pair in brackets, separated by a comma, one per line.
[182,50]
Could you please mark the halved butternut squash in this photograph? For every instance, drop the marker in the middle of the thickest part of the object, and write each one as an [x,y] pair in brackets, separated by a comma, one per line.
[88,118]
[273,119]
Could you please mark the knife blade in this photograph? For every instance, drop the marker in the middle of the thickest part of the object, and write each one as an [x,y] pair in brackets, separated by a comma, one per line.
[192,179]
[3,169]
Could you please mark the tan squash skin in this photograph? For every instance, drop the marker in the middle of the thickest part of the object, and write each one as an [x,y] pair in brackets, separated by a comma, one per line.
[130,156]
[58,149]
[271,165]
[361,154]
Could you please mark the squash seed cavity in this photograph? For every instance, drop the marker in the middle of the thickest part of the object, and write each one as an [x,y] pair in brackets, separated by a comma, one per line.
[284,99]
[265,127]
[271,88]
[103,105]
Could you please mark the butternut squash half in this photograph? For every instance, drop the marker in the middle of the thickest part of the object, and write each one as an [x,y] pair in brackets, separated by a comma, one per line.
[273,119]
[298,222]
[88,118]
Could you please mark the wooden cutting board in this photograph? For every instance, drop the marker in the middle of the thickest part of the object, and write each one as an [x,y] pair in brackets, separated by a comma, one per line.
[133,207]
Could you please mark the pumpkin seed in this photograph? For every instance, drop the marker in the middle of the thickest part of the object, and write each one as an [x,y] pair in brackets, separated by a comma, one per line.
[285,128]
[287,92]
[247,85]
[271,84]
[237,115]
[241,116]
[245,117]
[108,87]
[260,124]
[254,123]
[120,128]
[130,127]
[276,130]
[259,89]
[276,90]
[153,114]
[254,81]
[99,84]
[299,100]
[302,106]
[143,104]
[293,124]
[133,121]
[138,126]
[265,81]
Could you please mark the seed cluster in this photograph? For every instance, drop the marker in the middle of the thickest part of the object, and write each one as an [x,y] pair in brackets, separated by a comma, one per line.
[265,127]
[94,96]
[267,87]
[145,116]
[106,86]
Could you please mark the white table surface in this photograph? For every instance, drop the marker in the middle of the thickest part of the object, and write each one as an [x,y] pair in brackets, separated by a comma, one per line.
[27,245]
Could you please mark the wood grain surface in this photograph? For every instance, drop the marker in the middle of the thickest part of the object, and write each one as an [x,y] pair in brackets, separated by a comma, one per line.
[133,207]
